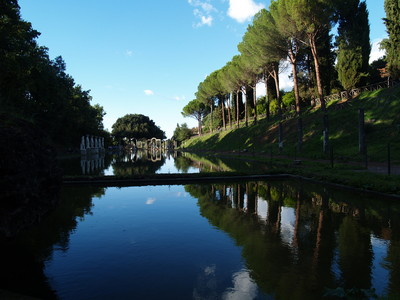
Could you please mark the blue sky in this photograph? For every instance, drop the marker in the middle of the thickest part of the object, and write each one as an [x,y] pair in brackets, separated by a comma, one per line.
[148,57]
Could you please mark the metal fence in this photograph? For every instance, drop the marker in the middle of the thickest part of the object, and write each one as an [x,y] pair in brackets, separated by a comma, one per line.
[345,95]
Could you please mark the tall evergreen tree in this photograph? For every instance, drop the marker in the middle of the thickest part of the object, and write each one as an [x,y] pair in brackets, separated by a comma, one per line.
[291,46]
[353,43]
[392,44]
[327,61]
[195,109]
[313,18]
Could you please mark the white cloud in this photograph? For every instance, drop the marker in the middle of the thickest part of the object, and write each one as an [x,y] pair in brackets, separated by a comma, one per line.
[376,53]
[243,287]
[206,20]
[129,53]
[179,98]
[150,201]
[148,92]
[243,10]
[181,194]
[285,82]
[205,5]
[203,11]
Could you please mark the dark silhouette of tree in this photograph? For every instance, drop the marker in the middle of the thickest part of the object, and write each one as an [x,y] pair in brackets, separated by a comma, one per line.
[36,88]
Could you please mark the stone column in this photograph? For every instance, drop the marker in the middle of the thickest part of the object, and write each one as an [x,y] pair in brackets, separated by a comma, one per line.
[83,143]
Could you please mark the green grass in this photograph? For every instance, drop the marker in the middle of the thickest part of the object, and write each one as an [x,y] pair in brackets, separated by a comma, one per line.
[340,173]
[382,119]
[247,149]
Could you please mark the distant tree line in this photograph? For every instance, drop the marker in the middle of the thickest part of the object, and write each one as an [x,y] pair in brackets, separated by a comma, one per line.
[297,33]
[37,88]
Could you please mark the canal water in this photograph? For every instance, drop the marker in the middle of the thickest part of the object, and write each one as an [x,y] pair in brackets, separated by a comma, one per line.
[132,163]
[233,240]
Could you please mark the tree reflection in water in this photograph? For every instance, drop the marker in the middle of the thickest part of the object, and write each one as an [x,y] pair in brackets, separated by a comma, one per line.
[297,241]
[23,258]
[137,163]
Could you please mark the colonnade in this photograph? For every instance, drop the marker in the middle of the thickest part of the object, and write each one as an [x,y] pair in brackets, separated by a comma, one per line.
[91,145]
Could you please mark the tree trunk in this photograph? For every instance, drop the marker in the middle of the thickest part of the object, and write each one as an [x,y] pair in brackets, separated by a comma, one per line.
[267,113]
[320,92]
[223,112]
[293,61]
[278,98]
[255,103]
[278,95]
[229,110]
[314,52]
[245,106]
[237,109]
[211,119]
[199,124]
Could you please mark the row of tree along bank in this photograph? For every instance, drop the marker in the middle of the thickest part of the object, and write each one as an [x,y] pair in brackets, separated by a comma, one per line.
[361,130]
[299,33]
[38,89]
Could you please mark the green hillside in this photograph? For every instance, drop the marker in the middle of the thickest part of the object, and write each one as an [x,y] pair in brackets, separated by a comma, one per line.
[382,127]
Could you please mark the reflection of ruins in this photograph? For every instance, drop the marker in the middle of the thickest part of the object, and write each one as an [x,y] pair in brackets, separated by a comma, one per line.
[155,144]
[92,154]
[92,163]
[137,162]
[307,240]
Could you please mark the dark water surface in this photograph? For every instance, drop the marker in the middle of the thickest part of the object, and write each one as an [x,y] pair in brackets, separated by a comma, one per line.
[246,240]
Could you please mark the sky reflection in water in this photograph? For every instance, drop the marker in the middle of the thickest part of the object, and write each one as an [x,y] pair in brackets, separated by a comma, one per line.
[144,242]
[245,240]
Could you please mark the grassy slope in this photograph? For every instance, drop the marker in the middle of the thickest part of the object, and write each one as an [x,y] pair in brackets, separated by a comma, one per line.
[382,118]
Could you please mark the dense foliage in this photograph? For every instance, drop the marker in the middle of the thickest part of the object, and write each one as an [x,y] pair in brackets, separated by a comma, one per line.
[136,127]
[353,44]
[37,88]
[298,34]
[197,110]
[181,132]
[392,44]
